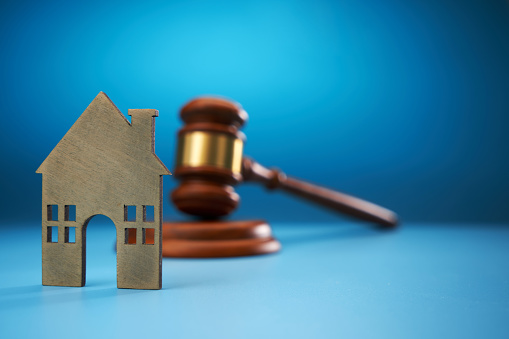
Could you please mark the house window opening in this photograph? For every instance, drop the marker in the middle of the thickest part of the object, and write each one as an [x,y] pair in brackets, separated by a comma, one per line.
[52,234]
[148,213]
[129,213]
[70,235]
[130,236]
[148,236]
[52,212]
[70,213]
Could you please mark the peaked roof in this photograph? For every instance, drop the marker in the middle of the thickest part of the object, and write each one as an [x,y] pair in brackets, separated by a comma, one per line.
[101,116]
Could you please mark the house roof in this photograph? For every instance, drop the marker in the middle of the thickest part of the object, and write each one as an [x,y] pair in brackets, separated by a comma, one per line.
[103,129]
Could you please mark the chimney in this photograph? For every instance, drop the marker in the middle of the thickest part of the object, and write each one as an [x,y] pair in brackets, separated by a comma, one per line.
[142,123]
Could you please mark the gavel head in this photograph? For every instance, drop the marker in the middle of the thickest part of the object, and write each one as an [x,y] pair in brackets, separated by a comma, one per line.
[209,157]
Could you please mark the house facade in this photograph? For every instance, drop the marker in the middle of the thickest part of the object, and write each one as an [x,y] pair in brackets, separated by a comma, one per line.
[104,165]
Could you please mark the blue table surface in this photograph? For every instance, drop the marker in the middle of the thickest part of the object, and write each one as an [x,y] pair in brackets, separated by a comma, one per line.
[329,281]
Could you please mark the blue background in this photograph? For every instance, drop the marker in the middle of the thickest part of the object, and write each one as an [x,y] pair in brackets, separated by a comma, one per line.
[404,103]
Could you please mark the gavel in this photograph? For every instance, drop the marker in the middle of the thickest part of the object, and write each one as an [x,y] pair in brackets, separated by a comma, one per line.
[210,163]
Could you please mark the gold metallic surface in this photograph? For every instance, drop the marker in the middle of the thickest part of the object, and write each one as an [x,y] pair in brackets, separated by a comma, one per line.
[212,149]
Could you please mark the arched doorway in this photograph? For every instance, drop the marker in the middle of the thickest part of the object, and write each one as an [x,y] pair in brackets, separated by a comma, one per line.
[99,253]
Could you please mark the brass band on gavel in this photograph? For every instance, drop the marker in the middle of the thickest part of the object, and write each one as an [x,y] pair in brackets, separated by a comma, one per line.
[199,148]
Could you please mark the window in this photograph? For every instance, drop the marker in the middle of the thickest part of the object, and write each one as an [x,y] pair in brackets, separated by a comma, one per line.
[53,212]
[52,234]
[70,213]
[148,213]
[129,213]
[148,236]
[70,235]
[130,236]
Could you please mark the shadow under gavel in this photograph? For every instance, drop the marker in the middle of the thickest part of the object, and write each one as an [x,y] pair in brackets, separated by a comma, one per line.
[210,163]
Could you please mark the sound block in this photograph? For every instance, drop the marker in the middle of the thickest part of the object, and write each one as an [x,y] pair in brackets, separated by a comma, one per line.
[217,239]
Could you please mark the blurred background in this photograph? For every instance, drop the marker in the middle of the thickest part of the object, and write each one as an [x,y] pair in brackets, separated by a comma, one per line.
[404,103]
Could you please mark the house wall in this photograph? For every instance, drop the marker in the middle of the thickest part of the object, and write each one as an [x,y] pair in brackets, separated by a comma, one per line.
[139,264]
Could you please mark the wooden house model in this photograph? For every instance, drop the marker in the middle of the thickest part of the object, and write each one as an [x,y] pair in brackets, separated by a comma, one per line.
[104,165]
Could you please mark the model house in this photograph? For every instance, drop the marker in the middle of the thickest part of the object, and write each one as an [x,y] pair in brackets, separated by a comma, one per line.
[104,165]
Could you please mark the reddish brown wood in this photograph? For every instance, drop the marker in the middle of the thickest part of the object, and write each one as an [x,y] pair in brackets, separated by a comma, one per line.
[205,199]
[337,201]
[213,110]
[214,239]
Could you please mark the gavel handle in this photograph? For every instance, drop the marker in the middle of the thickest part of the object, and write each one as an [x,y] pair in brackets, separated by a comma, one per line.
[340,202]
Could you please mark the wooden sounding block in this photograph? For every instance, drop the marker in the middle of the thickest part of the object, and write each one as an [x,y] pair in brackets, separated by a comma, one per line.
[104,165]
[205,239]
